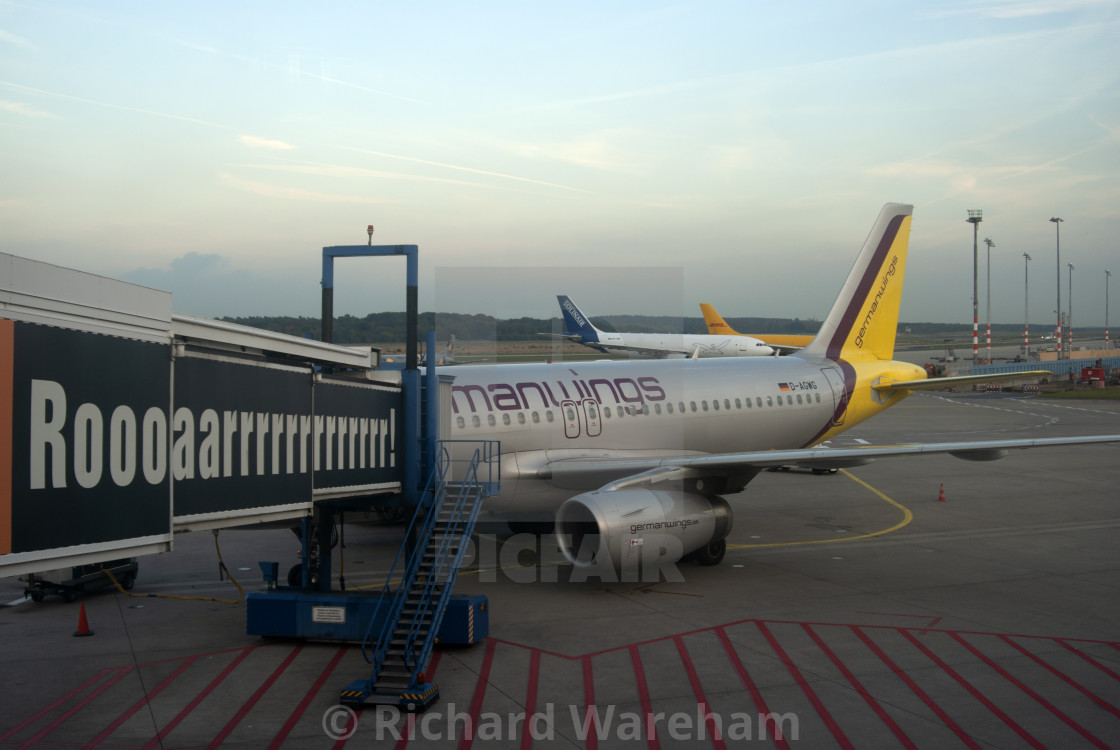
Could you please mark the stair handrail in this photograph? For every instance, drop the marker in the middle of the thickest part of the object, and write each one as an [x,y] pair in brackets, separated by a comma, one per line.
[435,488]
[431,606]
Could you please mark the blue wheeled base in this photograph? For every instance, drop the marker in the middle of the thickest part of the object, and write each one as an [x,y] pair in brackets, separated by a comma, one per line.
[414,700]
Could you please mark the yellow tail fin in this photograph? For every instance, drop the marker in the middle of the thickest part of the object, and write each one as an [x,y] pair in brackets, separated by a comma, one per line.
[864,319]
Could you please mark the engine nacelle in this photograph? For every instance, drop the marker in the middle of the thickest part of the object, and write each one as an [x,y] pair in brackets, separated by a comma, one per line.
[626,529]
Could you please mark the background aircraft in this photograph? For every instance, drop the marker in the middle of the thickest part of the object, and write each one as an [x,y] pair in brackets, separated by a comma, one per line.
[784,343]
[633,457]
[655,345]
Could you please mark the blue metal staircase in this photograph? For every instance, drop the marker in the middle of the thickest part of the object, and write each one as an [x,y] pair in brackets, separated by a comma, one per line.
[429,560]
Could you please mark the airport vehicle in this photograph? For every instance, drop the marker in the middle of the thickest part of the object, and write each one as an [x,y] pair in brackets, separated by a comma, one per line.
[631,458]
[69,582]
[784,343]
[655,345]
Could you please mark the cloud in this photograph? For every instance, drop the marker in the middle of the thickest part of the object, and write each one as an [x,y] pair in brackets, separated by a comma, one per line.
[11,38]
[287,193]
[26,110]
[254,142]
[1015,8]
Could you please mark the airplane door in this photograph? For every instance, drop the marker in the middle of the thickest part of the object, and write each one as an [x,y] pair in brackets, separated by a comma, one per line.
[591,417]
[571,419]
[839,394]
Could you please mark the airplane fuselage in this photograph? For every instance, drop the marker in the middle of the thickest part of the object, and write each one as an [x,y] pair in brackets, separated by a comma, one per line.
[544,413]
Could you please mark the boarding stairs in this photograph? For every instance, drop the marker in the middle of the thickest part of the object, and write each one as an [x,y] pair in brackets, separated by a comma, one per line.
[409,615]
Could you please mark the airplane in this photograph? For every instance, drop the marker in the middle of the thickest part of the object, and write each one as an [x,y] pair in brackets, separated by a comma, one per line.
[655,345]
[631,459]
[784,343]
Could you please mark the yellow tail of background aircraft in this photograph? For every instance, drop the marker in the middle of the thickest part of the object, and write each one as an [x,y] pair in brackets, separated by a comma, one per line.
[784,343]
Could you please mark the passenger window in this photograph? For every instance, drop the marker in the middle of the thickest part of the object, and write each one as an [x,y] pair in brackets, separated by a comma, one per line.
[680,405]
[520,417]
[715,404]
[657,408]
[799,398]
[460,422]
[618,410]
[549,416]
[769,400]
[758,402]
[818,398]
[505,418]
[669,407]
[727,404]
[693,405]
[738,404]
[536,418]
[570,413]
[490,420]
[474,421]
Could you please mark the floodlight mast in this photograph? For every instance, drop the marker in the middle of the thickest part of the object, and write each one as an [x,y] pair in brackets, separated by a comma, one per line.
[1026,304]
[1058,309]
[988,335]
[975,216]
[1069,318]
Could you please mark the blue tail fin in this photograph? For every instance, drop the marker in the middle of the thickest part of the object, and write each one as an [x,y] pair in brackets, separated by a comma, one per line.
[575,322]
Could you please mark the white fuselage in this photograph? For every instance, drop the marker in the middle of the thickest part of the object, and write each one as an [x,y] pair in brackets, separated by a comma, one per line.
[544,413]
[679,346]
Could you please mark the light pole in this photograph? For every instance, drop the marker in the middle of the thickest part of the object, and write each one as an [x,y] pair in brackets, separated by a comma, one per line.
[1107,276]
[1058,244]
[988,334]
[1027,304]
[975,216]
[1069,318]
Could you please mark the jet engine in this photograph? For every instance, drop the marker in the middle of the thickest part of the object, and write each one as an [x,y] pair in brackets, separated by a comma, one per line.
[630,528]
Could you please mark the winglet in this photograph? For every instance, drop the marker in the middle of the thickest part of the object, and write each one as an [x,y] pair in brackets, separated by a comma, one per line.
[864,319]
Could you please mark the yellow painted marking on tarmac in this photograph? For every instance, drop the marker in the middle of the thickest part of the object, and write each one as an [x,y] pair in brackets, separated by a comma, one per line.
[907,517]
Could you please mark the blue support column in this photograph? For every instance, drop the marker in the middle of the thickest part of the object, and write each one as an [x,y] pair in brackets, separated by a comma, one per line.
[411,375]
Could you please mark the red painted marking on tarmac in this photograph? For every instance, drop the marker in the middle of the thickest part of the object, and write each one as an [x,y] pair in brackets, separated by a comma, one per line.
[589,700]
[643,696]
[1090,659]
[76,708]
[900,674]
[81,688]
[256,696]
[984,700]
[1064,677]
[698,691]
[1026,689]
[867,697]
[170,726]
[531,698]
[811,694]
[756,695]
[479,693]
[142,702]
[303,704]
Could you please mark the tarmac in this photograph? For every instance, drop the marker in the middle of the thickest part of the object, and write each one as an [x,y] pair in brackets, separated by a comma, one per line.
[856,609]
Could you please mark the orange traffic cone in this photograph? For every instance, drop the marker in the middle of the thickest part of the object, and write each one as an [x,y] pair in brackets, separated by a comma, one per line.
[83,624]
[941,494]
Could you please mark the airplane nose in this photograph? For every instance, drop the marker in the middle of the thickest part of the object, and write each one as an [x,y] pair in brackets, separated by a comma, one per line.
[766,350]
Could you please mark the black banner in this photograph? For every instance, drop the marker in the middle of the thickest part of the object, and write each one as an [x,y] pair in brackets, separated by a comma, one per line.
[89,438]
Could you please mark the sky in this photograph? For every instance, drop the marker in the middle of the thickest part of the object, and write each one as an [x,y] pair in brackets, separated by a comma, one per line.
[641,157]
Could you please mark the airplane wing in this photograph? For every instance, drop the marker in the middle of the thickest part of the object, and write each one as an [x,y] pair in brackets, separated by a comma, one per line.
[929,384]
[578,471]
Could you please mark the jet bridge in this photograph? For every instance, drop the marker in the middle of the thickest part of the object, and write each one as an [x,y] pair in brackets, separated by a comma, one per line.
[122,423]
